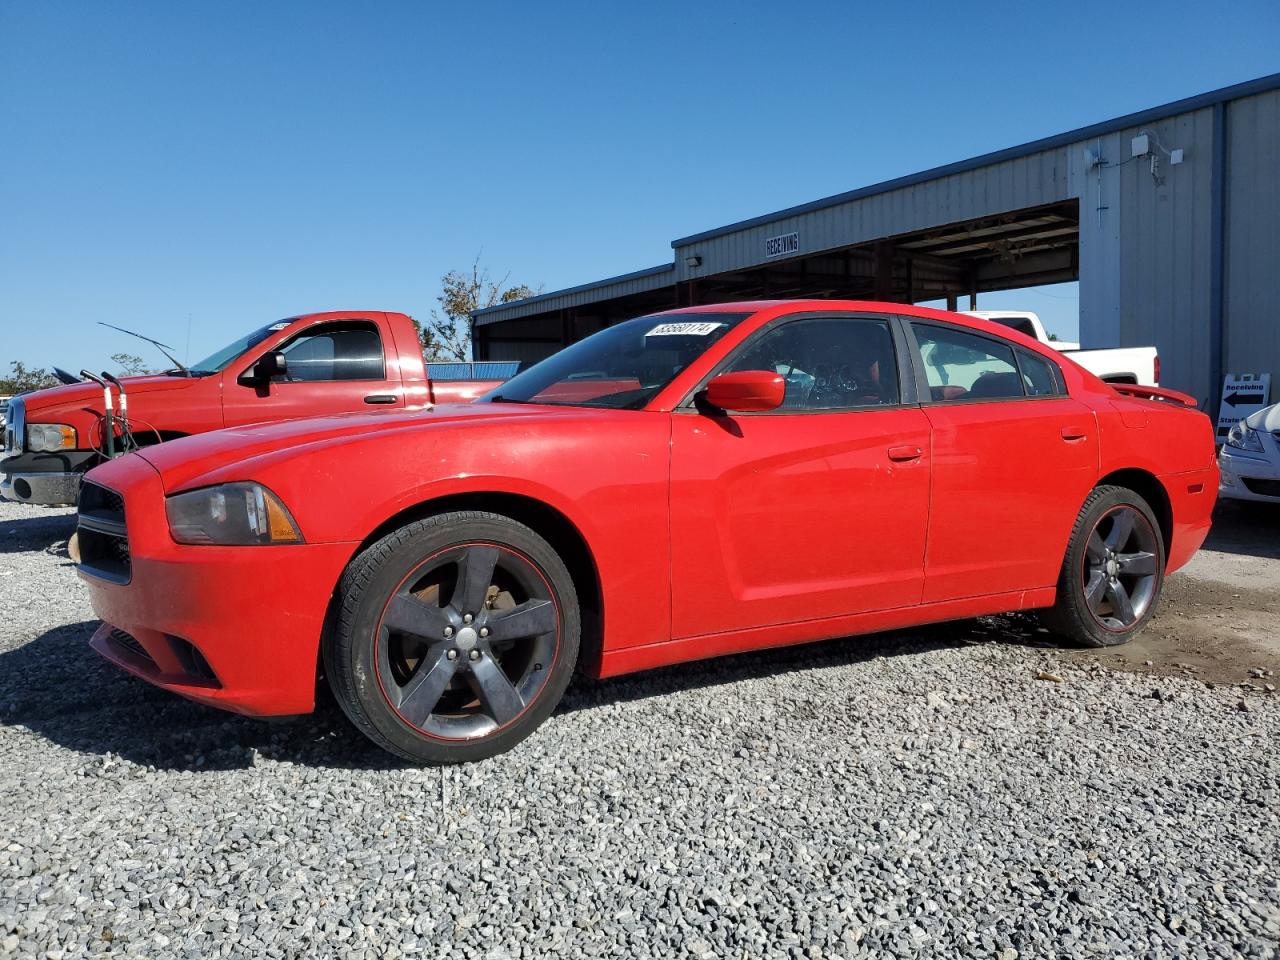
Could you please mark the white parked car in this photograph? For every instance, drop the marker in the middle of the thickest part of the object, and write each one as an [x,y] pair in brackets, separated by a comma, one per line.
[1114,365]
[1250,458]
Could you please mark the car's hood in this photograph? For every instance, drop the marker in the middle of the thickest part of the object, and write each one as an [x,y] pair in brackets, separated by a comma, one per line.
[1268,418]
[78,394]
[182,461]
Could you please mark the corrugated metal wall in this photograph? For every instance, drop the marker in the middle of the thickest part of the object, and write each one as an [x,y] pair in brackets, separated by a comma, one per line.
[1252,313]
[1012,185]
[1166,247]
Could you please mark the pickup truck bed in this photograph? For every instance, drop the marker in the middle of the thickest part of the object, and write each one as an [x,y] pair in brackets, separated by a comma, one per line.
[1140,365]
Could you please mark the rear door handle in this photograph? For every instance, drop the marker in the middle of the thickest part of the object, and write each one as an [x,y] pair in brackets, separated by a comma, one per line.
[1073,433]
[380,398]
[905,452]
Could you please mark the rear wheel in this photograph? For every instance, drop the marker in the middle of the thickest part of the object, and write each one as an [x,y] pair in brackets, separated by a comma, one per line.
[1113,572]
[456,637]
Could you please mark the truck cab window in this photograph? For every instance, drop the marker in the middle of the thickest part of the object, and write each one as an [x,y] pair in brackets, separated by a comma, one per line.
[1021,324]
[347,350]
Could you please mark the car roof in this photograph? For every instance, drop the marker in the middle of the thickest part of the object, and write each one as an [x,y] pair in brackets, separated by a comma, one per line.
[780,307]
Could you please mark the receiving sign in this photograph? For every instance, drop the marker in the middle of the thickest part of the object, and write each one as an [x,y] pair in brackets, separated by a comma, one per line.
[782,246]
[1242,394]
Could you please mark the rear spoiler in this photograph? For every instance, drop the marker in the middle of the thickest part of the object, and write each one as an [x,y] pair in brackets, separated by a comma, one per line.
[1154,393]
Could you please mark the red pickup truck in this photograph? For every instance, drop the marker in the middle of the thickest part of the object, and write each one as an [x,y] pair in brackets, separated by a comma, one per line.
[317,363]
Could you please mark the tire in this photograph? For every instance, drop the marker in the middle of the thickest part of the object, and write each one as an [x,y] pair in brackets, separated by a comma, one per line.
[423,674]
[1111,580]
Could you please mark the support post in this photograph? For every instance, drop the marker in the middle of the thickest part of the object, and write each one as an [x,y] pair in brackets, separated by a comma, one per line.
[884,271]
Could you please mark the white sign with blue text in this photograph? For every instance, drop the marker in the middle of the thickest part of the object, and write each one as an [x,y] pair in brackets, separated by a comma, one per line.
[1242,394]
[784,245]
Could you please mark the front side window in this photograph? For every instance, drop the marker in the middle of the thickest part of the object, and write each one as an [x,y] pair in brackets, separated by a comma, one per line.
[623,366]
[335,351]
[963,366]
[828,363]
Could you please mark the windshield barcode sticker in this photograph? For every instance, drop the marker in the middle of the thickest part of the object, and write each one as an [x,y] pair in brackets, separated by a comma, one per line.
[684,329]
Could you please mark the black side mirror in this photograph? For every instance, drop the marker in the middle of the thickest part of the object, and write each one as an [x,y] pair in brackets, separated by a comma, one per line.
[269,366]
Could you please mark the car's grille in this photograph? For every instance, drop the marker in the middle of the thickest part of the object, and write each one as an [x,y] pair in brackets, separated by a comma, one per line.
[1265,488]
[14,424]
[125,640]
[102,535]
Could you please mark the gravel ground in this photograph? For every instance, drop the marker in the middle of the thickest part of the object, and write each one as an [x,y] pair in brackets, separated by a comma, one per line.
[915,794]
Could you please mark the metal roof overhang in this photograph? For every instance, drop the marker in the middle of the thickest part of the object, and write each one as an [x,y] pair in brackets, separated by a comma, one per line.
[1152,115]
[1016,249]
[639,281]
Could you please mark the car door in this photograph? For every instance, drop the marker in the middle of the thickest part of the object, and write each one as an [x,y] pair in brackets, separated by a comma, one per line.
[1013,458]
[817,509]
[337,366]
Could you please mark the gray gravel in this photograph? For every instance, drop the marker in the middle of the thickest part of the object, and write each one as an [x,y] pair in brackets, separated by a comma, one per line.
[917,794]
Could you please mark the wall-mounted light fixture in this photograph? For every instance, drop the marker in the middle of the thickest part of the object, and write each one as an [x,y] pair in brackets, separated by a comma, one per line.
[693,260]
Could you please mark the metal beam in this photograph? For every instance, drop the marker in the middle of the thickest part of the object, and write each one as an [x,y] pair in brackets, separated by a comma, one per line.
[957,244]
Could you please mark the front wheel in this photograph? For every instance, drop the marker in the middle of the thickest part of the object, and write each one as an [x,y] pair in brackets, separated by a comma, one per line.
[1113,572]
[456,637]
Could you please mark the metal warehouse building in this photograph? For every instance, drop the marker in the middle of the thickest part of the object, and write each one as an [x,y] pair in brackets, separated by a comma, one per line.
[1169,218]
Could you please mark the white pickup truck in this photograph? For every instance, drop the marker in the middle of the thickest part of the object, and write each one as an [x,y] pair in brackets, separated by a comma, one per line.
[1140,365]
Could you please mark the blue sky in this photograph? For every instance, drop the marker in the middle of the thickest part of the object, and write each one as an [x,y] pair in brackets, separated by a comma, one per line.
[239,162]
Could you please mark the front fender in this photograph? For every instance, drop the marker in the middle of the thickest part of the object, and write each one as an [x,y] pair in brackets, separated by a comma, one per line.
[607,473]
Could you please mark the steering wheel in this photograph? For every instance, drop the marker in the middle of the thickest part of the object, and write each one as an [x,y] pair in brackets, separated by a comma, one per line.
[834,385]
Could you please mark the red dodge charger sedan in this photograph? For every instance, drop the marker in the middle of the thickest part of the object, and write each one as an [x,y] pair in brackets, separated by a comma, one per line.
[678,486]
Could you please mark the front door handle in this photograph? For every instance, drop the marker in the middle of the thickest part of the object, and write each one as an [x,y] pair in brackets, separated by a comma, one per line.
[1071,434]
[380,398]
[904,453]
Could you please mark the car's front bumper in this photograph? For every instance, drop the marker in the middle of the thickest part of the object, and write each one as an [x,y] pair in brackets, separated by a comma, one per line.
[1249,476]
[47,479]
[233,627]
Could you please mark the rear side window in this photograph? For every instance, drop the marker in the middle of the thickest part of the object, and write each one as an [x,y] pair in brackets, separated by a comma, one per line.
[963,366]
[347,350]
[1037,375]
[828,363]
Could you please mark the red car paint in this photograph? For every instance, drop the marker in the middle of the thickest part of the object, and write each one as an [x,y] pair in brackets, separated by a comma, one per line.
[164,407]
[707,535]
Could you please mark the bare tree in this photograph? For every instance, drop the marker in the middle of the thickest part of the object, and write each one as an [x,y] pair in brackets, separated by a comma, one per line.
[447,333]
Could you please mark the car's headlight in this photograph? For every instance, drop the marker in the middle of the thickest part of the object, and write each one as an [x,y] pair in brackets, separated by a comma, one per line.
[48,437]
[1244,437]
[231,514]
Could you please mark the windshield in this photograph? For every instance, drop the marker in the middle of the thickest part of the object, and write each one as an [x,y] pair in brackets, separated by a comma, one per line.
[215,362]
[623,366]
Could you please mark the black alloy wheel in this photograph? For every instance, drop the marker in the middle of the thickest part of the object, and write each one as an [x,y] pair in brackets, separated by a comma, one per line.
[1113,573]
[1120,568]
[466,642]
[456,637]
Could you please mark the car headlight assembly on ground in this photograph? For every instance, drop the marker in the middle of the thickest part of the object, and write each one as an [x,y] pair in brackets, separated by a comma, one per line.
[1244,437]
[50,437]
[231,514]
